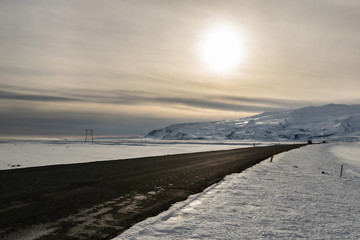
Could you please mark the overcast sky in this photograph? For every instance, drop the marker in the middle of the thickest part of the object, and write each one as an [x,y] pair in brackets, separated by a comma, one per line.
[128,67]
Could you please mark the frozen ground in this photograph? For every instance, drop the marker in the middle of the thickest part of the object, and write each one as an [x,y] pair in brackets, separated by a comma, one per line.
[299,195]
[20,154]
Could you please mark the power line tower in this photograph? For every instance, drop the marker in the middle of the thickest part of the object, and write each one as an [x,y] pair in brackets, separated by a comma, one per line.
[143,137]
[89,132]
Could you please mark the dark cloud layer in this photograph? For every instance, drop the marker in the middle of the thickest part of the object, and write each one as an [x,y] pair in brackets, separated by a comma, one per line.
[223,103]
[30,97]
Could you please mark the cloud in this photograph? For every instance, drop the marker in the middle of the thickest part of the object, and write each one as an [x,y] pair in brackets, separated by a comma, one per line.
[29,97]
[130,97]
[71,63]
[213,104]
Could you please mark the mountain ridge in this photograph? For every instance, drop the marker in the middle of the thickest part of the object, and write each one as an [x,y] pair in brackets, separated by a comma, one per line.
[329,122]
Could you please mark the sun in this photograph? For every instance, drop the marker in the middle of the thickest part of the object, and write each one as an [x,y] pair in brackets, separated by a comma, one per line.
[222,49]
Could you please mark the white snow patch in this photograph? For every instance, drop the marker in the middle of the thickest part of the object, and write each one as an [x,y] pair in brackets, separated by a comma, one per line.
[348,153]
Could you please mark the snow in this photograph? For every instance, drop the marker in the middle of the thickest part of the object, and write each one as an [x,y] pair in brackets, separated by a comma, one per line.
[299,195]
[332,122]
[348,153]
[22,154]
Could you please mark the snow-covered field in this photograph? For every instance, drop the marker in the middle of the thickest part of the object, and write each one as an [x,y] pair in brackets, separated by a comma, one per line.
[299,195]
[21,154]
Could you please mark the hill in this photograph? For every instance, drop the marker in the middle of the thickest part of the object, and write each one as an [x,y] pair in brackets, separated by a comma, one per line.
[335,122]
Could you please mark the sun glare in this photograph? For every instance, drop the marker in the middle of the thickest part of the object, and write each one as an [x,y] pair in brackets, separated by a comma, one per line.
[222,49]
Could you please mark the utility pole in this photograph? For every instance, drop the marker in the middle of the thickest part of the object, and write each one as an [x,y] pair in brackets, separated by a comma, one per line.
[89,132]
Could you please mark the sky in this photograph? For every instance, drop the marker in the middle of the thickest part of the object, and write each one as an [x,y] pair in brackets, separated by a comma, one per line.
[128,67]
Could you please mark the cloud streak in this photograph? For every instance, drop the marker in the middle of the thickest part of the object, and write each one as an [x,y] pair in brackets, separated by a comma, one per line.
[29,97]
[128,97]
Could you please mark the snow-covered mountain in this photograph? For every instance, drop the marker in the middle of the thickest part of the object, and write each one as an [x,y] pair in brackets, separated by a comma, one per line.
[333,121]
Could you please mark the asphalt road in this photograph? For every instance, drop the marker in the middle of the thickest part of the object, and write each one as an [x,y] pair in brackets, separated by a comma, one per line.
[99,200]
